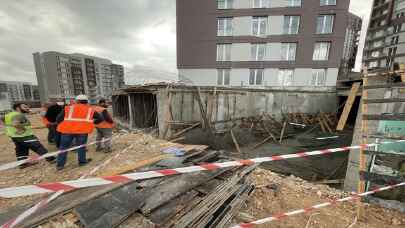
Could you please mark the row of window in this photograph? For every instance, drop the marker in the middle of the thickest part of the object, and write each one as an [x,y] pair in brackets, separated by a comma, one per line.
[229,4]
[291,24]
[285,77]
[287,52]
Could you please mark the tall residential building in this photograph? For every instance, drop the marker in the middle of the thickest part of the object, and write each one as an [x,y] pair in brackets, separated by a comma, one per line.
[265,43]
[63,75]
[385,41]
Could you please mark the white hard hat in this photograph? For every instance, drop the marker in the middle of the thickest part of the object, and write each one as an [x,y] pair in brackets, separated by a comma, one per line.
[82,97]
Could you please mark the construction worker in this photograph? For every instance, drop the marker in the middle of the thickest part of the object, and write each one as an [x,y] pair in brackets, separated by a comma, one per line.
[45,121]
[104,129]
[18,128]
[76,122]
[51,113]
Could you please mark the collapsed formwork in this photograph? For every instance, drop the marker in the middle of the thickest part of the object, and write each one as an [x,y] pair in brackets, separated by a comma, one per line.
[164,106]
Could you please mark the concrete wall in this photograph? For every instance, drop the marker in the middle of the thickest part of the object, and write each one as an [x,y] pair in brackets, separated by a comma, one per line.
[235,104]
[240,77]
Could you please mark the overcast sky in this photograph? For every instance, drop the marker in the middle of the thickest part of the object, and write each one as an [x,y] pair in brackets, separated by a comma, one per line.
[129,32]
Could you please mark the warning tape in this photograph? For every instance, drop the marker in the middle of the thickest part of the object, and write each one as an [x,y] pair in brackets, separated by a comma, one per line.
[47,155]
[318,206]
[12,192]
[13,222]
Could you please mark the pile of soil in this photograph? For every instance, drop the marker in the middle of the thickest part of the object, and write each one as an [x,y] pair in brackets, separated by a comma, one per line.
[276,193]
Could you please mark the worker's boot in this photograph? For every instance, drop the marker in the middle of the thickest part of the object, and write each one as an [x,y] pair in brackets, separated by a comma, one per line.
[87,162]
[108,150]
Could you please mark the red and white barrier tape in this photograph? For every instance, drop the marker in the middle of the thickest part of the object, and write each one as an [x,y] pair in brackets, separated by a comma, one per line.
[47,155]
[318,206]
[12,192]
[13,222]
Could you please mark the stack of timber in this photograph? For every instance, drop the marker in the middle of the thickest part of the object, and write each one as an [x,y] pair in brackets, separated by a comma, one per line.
[200,199]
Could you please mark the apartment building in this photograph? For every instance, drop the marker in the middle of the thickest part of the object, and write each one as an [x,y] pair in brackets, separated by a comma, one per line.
[63,75]
[265,43]
[385,41]
[19,91]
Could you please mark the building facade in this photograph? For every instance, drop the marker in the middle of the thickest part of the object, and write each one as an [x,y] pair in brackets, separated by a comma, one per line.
[265,43]
[63,75]
[12,92]
[385,41]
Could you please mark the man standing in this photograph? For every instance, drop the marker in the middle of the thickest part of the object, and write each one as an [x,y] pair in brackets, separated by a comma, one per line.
[51,113]
[18,128]
[104,129]
[76,122]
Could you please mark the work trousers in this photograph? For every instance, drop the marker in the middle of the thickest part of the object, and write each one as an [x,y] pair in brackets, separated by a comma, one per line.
[24,144]
[51,133]
[106,134]
[66,142]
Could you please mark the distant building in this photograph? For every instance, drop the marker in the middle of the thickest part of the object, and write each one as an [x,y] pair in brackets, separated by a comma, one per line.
[385,40]
[63,75]
[265,43]
[12,92]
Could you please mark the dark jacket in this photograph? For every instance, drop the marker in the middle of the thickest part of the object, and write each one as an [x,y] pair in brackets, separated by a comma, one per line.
[53,112]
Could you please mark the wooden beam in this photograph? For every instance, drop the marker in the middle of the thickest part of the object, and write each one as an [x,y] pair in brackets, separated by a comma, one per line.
[235,142]
[348,106]
[167,116]
[386,86]
[283,131]
[394,117]
[185,130]
[383,101]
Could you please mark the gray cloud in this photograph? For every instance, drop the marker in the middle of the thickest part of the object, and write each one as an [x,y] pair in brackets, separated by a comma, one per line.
[130,32]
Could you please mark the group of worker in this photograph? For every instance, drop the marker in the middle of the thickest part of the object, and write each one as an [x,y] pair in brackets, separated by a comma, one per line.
[68,124]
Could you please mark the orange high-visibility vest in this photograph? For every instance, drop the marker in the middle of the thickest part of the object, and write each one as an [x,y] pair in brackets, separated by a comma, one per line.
[103,124]
[78,120]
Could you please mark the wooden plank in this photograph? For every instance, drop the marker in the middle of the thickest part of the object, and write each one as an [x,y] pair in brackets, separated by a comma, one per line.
[119,169]
[383,101]
[384,153]
[177,134]
[283,131]
[394,117]
[203,113]
[235,142]
[348,106]
[166,116]
[361,186]
[387,86]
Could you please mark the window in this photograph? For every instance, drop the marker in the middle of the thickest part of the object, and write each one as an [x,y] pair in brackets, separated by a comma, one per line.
[260,3]
[224,26]
[321,51]
[256,77]
[225,4]
[285,77]
[223,76]
[258,52]
[259,26]
[224,52]
[328,2]
[375,54]
[293,3]
[288,51]
[377,44]
[318,77]
[291,24]
[324,24]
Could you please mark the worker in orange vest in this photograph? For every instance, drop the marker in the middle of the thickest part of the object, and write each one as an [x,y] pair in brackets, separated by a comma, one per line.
[104,129]
[76,123]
